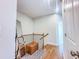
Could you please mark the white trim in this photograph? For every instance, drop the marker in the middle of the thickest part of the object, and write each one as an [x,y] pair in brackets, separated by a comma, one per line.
[52,43]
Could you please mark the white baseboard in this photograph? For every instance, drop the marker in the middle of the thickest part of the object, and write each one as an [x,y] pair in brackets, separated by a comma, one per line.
[51,43]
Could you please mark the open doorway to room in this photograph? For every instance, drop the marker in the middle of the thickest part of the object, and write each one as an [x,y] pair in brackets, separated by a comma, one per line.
[39,29]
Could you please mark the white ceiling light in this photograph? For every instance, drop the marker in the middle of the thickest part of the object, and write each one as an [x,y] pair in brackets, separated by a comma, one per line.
[52,4]
[49,4]
[57,9]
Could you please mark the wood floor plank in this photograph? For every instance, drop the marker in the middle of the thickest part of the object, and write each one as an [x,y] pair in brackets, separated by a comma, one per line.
[51,52]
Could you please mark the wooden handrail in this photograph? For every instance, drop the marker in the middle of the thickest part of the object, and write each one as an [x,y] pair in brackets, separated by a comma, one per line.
[27,35]
[44,36]
[30,34]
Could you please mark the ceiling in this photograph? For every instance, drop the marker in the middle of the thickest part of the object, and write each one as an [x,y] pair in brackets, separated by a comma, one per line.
[36,8]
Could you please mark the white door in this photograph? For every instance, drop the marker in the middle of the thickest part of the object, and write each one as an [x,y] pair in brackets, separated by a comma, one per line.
[76,20]
[71,27]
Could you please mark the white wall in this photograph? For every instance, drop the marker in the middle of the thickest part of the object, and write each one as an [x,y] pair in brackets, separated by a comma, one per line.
[26,22]
[7,29]
[46,25]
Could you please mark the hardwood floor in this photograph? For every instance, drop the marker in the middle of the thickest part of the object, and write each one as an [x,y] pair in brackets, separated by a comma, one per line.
[51,52]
